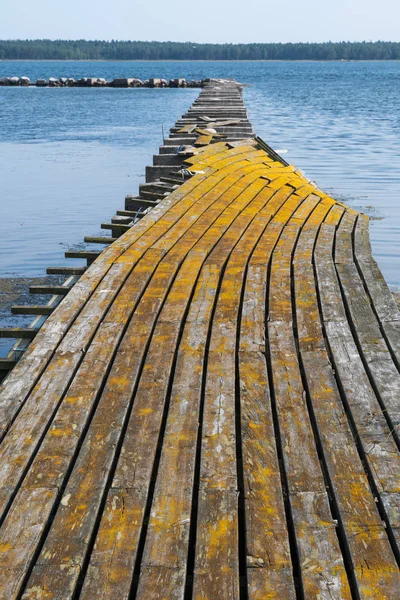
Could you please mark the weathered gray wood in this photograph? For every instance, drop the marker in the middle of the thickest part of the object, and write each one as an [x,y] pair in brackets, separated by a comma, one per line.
[89,255]
[89,239]
[135,203]
[36,309]
[55,290]
[6,364]
[382,299]
[367,330]
[268,556]
[18,332]
[371,555]
[372,431]
[312,519]
[65,270]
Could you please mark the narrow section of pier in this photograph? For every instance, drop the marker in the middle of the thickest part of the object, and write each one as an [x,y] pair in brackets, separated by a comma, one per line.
[212,411]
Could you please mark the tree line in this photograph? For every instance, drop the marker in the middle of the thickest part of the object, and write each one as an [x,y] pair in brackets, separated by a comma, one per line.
[120,50]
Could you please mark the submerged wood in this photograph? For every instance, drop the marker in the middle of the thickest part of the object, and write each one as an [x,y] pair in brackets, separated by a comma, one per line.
[213,409]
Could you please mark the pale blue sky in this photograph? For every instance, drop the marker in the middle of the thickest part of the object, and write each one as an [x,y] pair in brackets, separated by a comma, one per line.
[219,20]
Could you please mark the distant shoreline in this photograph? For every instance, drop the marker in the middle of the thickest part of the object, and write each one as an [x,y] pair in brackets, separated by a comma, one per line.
[136,50]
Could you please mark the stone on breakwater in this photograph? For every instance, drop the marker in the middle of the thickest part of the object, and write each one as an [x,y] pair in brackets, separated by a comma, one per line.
[92,82]
[127,82]
[122,82]
[155,82]
[85,82]
[178,83]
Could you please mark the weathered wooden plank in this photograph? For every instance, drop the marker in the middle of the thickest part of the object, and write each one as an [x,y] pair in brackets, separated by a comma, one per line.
[372,563]
[6,364]
[203,140]
[29,309]
[116,228]
[268,556]
[90,239]
[54,290]
[89,255]
[382,299]
[367,330]
[377,444]
[312,519]
[216,572]
[187,128]
[65,270]
[26,333]
[269,566]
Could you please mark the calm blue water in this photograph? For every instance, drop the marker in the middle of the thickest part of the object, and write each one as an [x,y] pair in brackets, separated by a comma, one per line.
[69,156]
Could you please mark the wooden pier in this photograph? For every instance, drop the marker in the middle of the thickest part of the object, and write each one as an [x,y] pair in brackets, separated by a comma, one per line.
[213,409]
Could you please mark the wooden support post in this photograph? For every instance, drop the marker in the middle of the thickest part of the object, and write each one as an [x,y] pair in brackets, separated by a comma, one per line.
[89,255]
[56,290]
[98,239]
[18,332]
[65,270]
[6,364]
[32,309]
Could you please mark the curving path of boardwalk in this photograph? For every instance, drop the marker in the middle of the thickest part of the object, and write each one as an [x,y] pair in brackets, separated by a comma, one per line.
[213,410]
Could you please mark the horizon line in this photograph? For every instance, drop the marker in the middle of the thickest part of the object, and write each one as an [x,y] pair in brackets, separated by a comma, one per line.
[125,41]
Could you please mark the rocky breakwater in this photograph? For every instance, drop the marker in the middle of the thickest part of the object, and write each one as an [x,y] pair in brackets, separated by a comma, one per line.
[121,82]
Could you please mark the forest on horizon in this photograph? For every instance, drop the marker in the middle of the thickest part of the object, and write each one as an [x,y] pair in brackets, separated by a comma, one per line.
[137,50]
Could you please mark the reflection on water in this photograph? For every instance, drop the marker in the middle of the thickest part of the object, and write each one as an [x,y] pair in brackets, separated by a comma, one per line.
[69,156]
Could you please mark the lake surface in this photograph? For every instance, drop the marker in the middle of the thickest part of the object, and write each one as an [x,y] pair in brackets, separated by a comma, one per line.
[68,157]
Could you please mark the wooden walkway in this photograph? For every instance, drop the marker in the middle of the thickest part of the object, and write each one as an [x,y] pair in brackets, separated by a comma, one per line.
[213,410]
